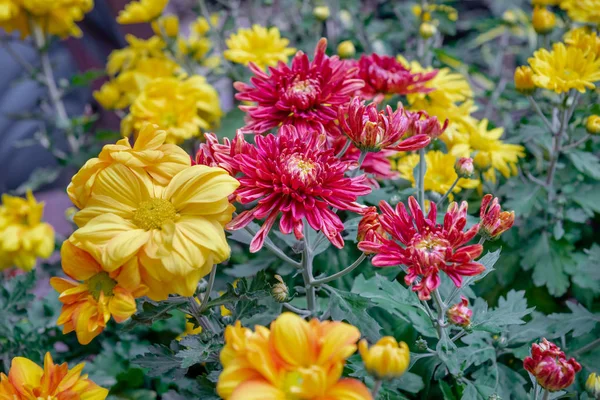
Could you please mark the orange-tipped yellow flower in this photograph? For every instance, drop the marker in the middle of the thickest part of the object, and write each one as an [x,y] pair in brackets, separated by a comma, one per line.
[95,295]
[294,359]
[23,235]
[28,381]
[543,20]
[149,154]
[592,125]
[386,359]
[524,80]
[174,233]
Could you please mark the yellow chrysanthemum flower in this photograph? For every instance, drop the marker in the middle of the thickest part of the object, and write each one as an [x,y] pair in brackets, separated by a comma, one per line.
[180,107]
[138,49]
[545,2]
[94,296]
[583,38]
[565,68]
[489,152]
[166,26]
[23,235]
[386,359]
[174,233]
[294,359]
[197,45]
[54,17]
[149,154]
[26,380]
[586,11]
[259,45]
[440,174]
[141,11]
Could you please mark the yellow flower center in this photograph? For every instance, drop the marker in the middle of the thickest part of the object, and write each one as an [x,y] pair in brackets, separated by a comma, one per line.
[430,244]
[153,214]
[168,120]
[101,283]
[300,166]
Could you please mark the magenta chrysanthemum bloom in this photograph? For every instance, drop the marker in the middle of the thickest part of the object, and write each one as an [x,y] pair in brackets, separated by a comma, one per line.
[295,175]
[385,75]
[550,367]
[420,123]
[215,154]
[306,94]
[373,130]
[424,246]
[460,314]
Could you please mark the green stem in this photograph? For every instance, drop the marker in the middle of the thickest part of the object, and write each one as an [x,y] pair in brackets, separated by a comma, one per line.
[343,151]
[441,309]
[481,240]
[421,179]
[538,110]
[376,388]
[307,265]
[343,272]
[361,159]
[449,191]
[209,287]
[546,395]
[586,348]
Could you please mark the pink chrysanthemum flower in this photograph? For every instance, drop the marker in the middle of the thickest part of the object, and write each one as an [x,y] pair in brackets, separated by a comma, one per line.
[296,175]
[385,75]
[550,366]
[372,130]
[420,123]
[215,154]
[306,94]
[424,246]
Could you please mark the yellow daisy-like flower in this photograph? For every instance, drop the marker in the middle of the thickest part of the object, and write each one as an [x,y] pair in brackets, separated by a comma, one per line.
[23,235]
[489,152]
[583,38]
[149,154]
[54,17]
[138,49]
[259,45]
[440,174]
[28,381]
[198,45]
[565,68]
[141,11]
[449,88]
[586,11]
[175,233]
[181,107]
[94,295]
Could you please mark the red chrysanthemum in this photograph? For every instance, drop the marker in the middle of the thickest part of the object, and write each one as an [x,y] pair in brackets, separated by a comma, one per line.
[424,246]
[494,221]
[385,75]
[296,175]
[460,314]
[550,367]
[372,130]
[215,154]
[306,94]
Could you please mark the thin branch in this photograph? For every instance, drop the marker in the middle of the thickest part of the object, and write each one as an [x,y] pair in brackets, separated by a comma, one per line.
[536,107]
[343,272]
[586,348]
[448,192]
[299,311]
[211,282]
[577,143]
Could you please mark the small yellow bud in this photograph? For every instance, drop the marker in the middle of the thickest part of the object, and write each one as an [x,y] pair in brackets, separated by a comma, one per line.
[593,125]
[280,291]
[321,13]
[346,49]
[524,80]
[543,20]
[592,385]
[107,96]
[509,17]
[166,26]
[427,30]
[386,359]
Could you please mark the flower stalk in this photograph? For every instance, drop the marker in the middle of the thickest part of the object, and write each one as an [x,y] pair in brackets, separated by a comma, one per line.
[421,179]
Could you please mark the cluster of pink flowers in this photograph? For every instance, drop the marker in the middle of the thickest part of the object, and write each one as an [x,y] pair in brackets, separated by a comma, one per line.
[550,367]
[424,246]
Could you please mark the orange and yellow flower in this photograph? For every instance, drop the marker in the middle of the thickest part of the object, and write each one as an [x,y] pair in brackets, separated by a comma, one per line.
[28,381]
[292,359]
[386,359]
[149,155]
[95,295]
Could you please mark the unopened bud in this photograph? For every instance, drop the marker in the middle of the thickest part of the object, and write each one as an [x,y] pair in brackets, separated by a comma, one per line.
[464,167]
[509,17]
[427,30]
[421,344]
[592,124]
[166,26]
[524,80]
[494,396]
[321,13]
[592,386]
[459,314]
[280,291]
[543,20]
[346,49]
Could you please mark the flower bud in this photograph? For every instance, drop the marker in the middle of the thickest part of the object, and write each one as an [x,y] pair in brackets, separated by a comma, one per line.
[509,17]
[421,344]
[107,96]
[550,367]
[464,167]
[280,291]
[593,124]
[166,26]
[345,18]
[543,20]
[346,49]
[386,359]
[494,396]
[459,314]
[321,13]
[494,222]
[592,385]
[427,30]
[369,228]
[524,80]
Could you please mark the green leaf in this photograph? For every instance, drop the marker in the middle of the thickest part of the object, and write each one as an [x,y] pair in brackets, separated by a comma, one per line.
[87,77]
[588,197]
[160,361]
[549,258]
[397,300]
[586,163]
[510,311]
[480,349]
[153,311]
[580,321]
[197,351]
[353,308]
[587,270]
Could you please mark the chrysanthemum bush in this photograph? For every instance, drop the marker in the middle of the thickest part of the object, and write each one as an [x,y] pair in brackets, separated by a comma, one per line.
[414,217]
